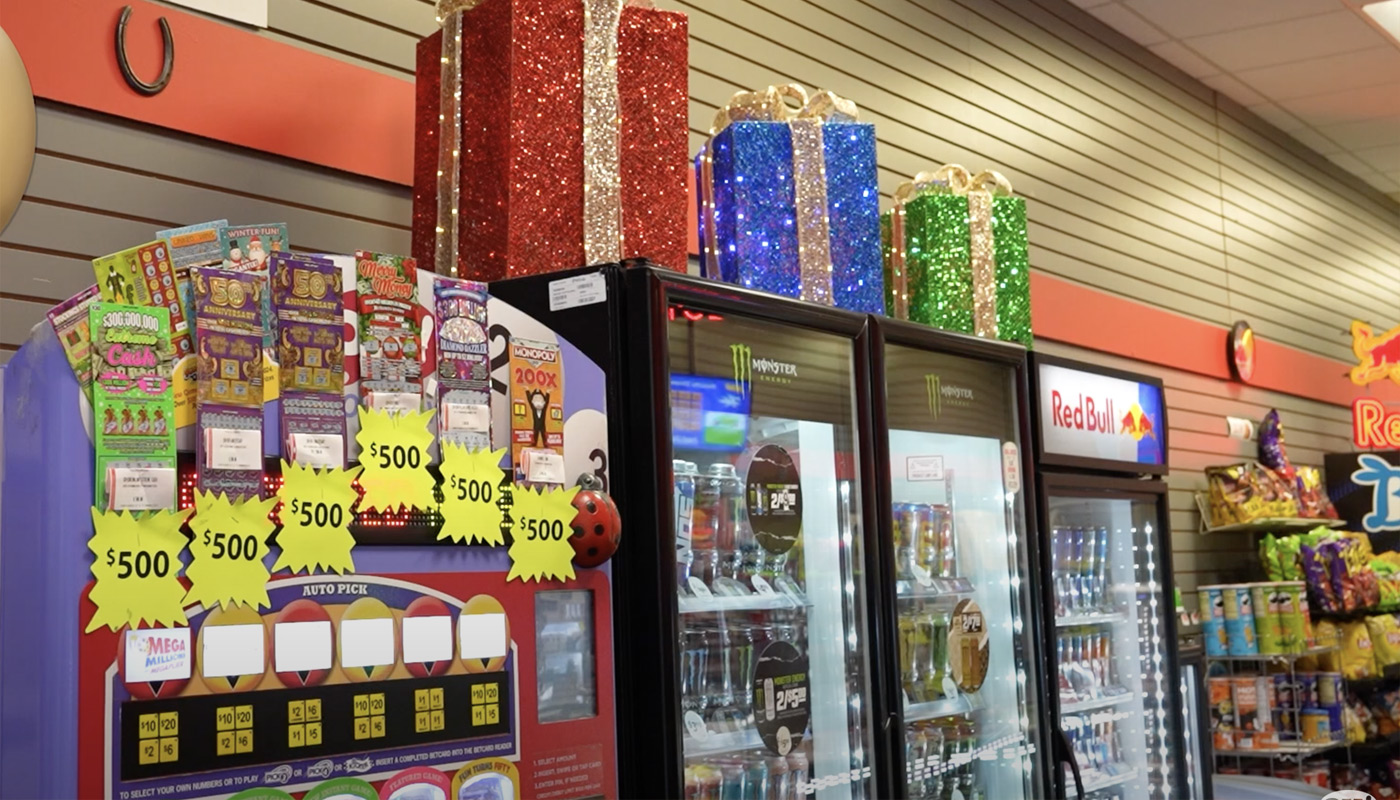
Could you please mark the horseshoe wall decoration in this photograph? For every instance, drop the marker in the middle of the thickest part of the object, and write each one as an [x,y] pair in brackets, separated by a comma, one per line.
[148,89]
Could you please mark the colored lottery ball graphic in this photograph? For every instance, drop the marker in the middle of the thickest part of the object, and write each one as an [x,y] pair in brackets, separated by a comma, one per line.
[151,650]
[367,608]
[302,610]
[489,636]
[223,684]
[596,530]
[428,607]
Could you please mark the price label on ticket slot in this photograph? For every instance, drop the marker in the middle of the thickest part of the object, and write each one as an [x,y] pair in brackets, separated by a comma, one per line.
[136,561]
[543,524]
[229,548]
[394,454]
[315,518]
[474,504]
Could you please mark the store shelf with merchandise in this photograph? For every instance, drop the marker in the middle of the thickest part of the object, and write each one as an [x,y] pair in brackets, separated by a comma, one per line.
[1262,524]
[1285,750]
[1091,618]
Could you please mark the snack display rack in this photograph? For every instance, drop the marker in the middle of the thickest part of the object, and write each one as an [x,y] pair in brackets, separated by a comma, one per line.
[1264,524]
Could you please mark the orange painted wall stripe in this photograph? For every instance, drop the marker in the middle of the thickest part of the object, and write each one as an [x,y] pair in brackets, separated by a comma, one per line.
[237,87]
[228,84]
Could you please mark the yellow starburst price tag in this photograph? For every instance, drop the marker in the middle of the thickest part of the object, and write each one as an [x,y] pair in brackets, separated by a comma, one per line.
[394,454]
[316,519]
[137,561]
[541,531]
[229,548]
[474,504]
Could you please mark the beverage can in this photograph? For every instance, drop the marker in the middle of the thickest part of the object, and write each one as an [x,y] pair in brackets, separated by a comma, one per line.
[1239,621]
[1101,572]
[1076,557]
[945,556]
[1088,600]
[1268,625]
[683,495]
[1213,619]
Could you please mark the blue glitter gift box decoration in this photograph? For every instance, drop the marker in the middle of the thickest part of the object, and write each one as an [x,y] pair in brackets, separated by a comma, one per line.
[788,200]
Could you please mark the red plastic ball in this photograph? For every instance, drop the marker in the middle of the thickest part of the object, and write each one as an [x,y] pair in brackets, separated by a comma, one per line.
[596,530]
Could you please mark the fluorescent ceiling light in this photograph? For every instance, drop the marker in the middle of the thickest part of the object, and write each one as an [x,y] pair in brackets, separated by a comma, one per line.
[1387,15]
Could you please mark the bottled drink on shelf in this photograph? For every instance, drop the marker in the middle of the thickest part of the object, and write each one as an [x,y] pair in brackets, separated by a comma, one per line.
[1101,578]
[684,475]
[747,775]
[1087,569]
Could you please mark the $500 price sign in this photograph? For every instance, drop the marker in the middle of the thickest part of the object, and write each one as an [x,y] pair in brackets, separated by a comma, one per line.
[229,548]
[315,519]
[394,455]
[477,496]
[543,523]
[137,563]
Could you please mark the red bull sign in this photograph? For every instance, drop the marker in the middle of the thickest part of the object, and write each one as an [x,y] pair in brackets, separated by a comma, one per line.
[1373,426]
[1377,355]
[1099,416]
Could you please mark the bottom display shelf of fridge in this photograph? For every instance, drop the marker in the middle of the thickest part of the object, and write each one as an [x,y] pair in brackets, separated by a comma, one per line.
[1093,782]
[1081,706]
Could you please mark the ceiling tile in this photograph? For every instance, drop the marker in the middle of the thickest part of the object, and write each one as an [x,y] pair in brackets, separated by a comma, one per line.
[1234,89]
[1129,24]
[1357,69]
[1348,105]
[1363,134]
[1278,117]
[1185,59]
[1183,19]
[1384,159]
[1289,41]
[1317,141]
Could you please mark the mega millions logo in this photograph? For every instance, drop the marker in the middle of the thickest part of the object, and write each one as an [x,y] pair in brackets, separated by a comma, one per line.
[940,393]
[162,652]
[1137,424]
[768,370]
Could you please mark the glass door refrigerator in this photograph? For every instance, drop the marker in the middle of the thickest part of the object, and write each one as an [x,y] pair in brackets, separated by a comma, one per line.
[951,420]
[748,642]
[1101,444]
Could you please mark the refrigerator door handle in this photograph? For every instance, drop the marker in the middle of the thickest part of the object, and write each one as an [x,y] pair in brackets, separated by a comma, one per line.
[1066,755]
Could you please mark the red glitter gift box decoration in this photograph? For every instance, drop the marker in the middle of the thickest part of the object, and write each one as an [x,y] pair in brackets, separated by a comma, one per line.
[573,137]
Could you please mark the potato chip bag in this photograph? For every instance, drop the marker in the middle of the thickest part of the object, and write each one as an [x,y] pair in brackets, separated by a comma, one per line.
[1358,652]
[1319,581]
[1384,630]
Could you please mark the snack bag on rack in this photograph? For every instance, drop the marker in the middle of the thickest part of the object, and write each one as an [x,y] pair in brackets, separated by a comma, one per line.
[1385,640]
[1272,452]
[1318,578]
[1387,582]
[1358,652]
[1270,557]
[1312,495]
[1335,555]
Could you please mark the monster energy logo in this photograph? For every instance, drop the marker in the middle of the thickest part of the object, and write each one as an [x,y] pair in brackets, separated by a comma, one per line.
[745,366]
[939,393]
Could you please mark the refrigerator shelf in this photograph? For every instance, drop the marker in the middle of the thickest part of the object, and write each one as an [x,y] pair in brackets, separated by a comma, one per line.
[947,707]
[1005,748]
[1279,657]
[716,743]
[1297,750]
[936,589]
[755,602]
[1109,780]
[1093,618]
[1098,702]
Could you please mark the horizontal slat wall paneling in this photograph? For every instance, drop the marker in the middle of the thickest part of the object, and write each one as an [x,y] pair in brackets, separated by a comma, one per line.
[62,130]
[373,39]
[1196,411]
[100,185]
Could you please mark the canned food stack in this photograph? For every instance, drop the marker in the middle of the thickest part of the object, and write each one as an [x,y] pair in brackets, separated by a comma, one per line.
[1251,619]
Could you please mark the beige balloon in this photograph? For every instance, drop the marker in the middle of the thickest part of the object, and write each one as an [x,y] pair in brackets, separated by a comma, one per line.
[16,129]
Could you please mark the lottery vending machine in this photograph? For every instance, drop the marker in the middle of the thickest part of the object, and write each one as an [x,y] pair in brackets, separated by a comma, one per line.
[437,667]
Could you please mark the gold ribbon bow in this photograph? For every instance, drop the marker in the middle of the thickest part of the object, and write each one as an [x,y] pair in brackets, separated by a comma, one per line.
[979,189]
[808,171]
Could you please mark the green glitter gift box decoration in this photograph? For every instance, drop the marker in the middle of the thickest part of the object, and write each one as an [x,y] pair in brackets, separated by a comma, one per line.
[956,255]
